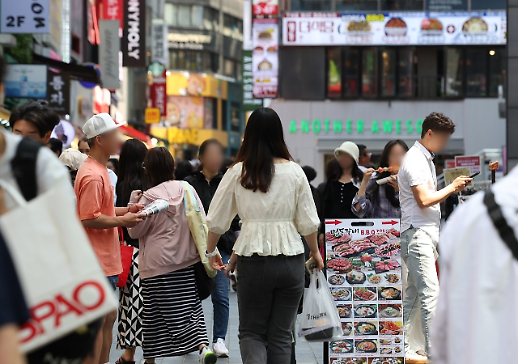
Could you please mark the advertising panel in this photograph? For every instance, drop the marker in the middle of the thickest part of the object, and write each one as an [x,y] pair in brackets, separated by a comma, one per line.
[159,48]
[363,260]
[109,53]
[24,16]
[112,10]
[265,57]
[471,162]
[265,7]
[416,28]
[58,92]
[134,34]
[185,112]
[26,80]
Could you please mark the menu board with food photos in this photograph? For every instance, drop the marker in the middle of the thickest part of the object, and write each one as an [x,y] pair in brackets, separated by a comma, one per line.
[265,57]
[405,28]
[363,266]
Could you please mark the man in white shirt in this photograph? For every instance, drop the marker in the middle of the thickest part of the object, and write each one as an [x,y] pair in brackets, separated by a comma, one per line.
[420,220]
[476,317]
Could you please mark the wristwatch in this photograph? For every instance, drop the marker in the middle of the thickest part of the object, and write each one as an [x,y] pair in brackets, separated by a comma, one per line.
[213,254]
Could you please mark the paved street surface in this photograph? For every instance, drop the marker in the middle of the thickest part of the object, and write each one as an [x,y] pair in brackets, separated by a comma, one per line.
[306,353]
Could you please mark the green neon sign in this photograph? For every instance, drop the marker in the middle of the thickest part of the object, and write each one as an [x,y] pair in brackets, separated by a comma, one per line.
[349,126]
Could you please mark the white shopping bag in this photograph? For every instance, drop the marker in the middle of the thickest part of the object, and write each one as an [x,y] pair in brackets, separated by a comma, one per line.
[62,280]
[320,319]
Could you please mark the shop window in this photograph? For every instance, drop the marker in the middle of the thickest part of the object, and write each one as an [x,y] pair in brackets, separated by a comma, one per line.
[197,16]
[406,73]
[370,72]
[232,27]
[224,115]
[476,70]
[184,15]
[235,120]
[497,71]
[186,60]
[334,74]
[454,71]
[229,67]
[388,72]
[211,19]
[351,70]
[357,5]
[171,14]
[311,5]
[398,5]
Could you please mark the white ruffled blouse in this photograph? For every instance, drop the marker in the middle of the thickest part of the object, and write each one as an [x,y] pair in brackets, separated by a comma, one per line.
[272,221]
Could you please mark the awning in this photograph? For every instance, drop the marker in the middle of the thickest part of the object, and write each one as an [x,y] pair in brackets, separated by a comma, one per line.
[76,71]
[134,133]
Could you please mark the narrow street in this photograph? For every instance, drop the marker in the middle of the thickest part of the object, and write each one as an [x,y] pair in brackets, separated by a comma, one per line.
[306,353]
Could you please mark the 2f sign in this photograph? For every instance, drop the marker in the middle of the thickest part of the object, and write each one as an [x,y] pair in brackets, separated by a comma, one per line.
[24,16]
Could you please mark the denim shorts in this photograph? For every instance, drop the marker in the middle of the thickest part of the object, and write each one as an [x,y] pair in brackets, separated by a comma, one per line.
[113,281]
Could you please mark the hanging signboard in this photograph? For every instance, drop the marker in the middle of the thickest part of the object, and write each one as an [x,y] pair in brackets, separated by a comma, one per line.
[265,57]
[26,81]
[112,10]
[412,28]
[159,46]
[134,34]
[249,102]
[265,7]
[24,16]
[58,92]
[158,86]
[364,275]
[109,53]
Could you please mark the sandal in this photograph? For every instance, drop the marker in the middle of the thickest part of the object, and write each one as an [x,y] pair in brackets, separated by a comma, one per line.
[121,360]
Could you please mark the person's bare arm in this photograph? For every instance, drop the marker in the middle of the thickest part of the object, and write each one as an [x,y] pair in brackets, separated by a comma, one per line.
[314,251]
[9,350]
[425,198]
[106,222]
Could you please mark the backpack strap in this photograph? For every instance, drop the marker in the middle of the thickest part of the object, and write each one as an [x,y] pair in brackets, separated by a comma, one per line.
[24,167]
[497,217]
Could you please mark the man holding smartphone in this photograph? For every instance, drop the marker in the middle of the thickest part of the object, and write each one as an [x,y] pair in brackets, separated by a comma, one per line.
[420,222]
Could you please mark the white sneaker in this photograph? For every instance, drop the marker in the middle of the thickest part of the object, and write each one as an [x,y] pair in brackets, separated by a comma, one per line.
[207,356]
[413,358]
[220,348]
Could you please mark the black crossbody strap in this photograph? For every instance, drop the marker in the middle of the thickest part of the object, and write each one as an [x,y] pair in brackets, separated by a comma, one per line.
[24,168]
[497,217]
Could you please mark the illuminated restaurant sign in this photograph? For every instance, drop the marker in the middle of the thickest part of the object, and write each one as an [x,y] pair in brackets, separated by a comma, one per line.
[385,127]
[403,28]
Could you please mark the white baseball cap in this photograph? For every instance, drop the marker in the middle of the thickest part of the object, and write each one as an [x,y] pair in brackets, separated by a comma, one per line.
[351,149]
[99,124]
[72,158]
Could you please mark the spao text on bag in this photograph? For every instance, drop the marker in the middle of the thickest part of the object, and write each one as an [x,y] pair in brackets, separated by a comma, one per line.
[48,315]
[37,8]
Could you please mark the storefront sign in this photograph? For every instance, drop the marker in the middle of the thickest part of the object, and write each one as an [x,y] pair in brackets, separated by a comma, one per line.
[446,5]
[349,126]
[471,162]
[26,80]
[158,86]
[364,275]
[152,115]
[196,84]
[58,92]
[265,57]
[24,16]
[134,34]
[112,10]
[449,163]
[249,102]
[159,48]
[109,53]
[413,28]
[188,41]
[265,7]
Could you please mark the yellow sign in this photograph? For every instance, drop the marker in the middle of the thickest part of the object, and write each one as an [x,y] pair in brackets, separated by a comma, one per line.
[152,115]
[451,173]
[196,84]
[189,136]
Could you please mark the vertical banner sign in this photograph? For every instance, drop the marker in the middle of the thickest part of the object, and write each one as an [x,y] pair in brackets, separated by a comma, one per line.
[109,53]
[159,49]
[364,276]
[265,7]
[158,89]
[58,92]
[112,10]
[249,102]
[24,16]
[134,34]
[265,57]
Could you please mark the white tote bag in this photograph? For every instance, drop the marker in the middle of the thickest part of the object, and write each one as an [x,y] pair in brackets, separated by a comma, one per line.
[64,285]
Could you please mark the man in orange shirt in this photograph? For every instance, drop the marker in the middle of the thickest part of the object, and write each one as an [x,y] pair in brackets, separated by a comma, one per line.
[100,217]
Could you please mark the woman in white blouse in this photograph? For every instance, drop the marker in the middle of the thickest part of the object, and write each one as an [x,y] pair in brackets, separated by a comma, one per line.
[272,196]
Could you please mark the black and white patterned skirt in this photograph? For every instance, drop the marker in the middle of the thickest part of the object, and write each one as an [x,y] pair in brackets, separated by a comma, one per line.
[173,320]
[129,330]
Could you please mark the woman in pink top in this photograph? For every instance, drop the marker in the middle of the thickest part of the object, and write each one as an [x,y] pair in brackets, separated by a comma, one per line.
[173,322]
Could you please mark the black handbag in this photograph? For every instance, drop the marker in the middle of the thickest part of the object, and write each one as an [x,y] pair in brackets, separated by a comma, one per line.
[204,283]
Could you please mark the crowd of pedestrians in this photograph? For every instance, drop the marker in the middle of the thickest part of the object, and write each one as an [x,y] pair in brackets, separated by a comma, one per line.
[258,217]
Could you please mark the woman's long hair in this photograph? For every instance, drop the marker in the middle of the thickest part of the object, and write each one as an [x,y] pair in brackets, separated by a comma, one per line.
[131,174]
[263,142]
[390,192]
[159,165]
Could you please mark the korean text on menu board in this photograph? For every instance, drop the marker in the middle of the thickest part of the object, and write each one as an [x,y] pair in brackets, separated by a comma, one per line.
[364,275]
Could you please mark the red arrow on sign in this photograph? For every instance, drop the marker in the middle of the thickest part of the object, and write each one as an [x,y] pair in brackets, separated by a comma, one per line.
[391,222]
[336,222]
